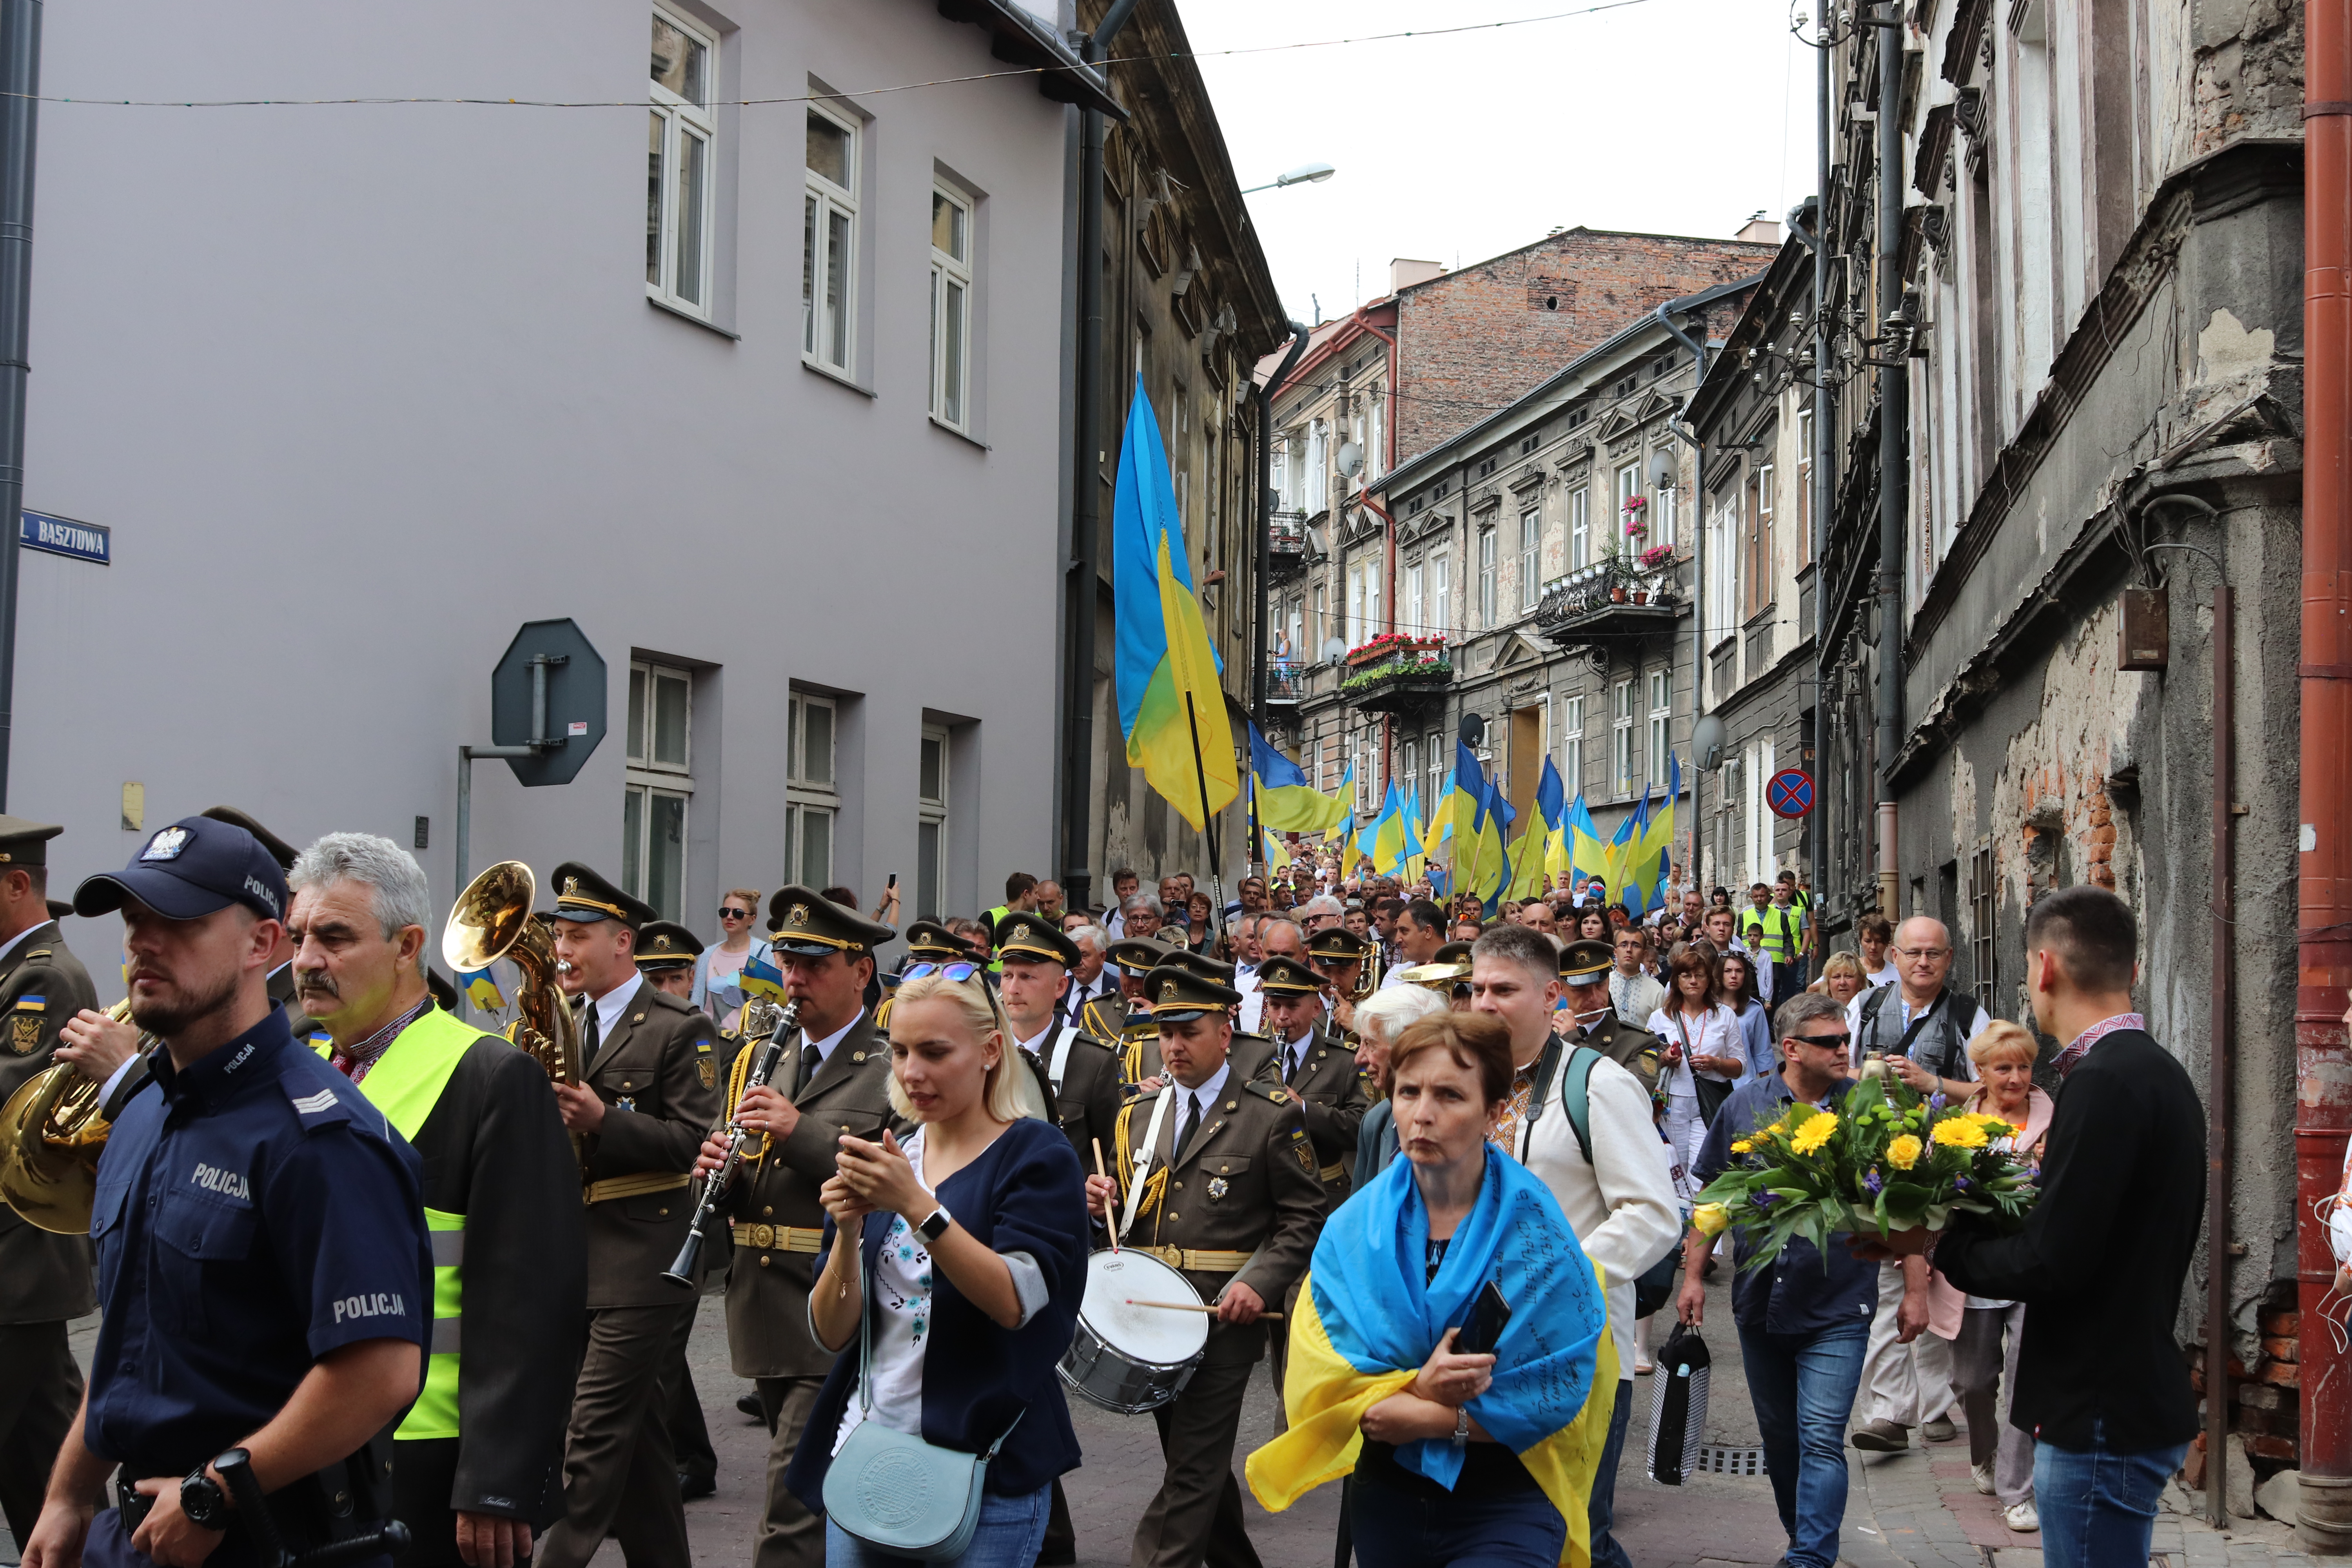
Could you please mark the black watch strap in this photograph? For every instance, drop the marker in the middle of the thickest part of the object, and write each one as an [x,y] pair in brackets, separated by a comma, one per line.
[204,1502]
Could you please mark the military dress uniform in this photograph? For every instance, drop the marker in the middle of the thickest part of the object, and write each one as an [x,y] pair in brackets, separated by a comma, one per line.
[44,1277]
[1631,1046]
[1229,1195]
[1321,1074]
[1251,1055]
[840,1084]
[1081,1073]
[656,1067]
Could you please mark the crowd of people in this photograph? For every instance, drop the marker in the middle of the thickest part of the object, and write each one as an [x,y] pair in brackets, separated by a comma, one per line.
[1437,1163]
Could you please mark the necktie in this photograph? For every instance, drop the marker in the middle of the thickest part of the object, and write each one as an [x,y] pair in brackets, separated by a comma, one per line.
[810,1061]
[591,1032]
[1191,1123]
[1291,1057]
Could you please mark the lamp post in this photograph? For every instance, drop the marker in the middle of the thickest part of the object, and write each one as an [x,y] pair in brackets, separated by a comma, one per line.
[1305,175]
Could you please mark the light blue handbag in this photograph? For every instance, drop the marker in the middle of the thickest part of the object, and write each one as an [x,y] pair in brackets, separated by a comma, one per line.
[896,1492]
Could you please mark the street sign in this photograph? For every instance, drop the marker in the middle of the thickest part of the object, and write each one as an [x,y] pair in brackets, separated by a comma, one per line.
[1789,793]
[572,715]
[91,542]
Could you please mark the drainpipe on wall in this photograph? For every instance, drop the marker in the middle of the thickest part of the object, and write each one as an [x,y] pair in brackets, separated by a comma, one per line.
[1697,347]
[1893,412]
[1824,475]
[20,72]
[2323,1078]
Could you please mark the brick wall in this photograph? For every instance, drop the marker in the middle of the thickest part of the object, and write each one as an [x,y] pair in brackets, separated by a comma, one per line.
[1474,341]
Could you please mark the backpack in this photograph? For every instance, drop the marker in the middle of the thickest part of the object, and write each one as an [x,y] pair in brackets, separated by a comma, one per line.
[1654,1286]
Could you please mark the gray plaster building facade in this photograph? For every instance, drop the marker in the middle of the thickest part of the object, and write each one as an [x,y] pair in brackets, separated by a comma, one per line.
[769,397]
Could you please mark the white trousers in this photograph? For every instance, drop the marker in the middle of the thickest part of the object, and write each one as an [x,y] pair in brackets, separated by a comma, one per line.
[1908,1385]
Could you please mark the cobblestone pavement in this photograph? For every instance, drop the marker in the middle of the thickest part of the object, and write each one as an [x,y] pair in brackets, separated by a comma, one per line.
[1911,1509]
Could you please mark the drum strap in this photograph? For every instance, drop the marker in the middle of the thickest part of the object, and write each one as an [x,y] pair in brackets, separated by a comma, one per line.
[1143,1152]
[1060,1062]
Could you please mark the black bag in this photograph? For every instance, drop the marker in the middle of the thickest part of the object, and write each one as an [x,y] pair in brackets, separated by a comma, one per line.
[1655,1286]
[1677,1406]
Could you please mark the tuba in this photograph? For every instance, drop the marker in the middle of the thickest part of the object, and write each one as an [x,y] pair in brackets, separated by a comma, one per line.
[492,919]
[51,1133]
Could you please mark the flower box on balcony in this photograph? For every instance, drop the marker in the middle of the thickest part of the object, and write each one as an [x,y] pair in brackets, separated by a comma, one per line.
[1396,646]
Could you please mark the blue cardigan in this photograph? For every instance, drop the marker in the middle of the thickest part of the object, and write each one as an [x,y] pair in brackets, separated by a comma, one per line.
[1025,1193]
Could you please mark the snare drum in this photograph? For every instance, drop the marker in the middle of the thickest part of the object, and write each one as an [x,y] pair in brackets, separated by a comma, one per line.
[1133,1359]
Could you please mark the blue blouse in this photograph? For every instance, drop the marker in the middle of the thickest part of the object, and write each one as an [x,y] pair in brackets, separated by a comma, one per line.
[1025,1193]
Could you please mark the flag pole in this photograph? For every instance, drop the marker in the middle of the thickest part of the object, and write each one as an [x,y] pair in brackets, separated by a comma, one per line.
[1209,820]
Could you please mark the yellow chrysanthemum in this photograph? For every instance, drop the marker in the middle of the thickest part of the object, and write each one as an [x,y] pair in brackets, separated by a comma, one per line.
[1960,1132]
[1994,1127]
[1711,1219]
[1903,1153]
[1814,1133]
[1742,1146]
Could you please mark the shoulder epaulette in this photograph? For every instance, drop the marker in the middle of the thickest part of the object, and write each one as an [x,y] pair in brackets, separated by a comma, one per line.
[1273,1091]
[36,953]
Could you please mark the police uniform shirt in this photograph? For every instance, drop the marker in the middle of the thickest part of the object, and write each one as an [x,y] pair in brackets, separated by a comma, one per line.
[253,1215]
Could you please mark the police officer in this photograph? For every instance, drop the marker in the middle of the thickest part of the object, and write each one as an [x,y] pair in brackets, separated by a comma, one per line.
[1590,1018]
[1225,1192]
[834,1079]
[44,1276]
[649,1089]
[264,1266]
[666,956]
[477,1462]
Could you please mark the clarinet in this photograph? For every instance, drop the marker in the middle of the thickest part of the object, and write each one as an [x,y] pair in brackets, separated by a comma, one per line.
[681,1270]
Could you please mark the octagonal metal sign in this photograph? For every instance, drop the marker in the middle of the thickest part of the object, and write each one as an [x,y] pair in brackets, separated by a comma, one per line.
[574,715]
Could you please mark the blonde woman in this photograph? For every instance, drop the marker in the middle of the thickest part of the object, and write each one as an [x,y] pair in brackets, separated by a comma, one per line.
[719,969]
[1841,979]
[973,1233]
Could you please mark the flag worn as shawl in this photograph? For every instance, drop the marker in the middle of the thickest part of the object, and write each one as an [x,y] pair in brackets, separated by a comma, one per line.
[1366,1320]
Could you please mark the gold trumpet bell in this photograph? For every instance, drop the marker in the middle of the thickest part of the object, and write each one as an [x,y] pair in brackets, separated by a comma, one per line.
[52,1133]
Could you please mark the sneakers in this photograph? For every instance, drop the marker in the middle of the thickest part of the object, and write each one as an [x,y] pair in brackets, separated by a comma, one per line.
[1882,1438]
[1939,1430]
[2023,1517]
[1982,1475]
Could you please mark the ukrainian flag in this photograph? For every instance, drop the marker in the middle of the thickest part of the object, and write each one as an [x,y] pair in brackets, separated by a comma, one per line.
[1532,855]
[1621,853]
[1588,853]
[1345,799]
[1416,863]
[1388,839]
[1551,804]
[761,977]
[1465,805]
[1171,707]
[1276,854]
[1651,856]
[1441,816]
[1285,801]
[481,989]
[1368,1317]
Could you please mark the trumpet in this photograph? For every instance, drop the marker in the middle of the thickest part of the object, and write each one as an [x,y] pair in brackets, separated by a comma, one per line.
[681,1270]
[52,1132]
[492,919]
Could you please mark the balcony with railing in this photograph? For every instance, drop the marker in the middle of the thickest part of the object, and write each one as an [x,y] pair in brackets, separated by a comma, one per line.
[1614,600]
[1397,674]
[1285,546]
[1285,683]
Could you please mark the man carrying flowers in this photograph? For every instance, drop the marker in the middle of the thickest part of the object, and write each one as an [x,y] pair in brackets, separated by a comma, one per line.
[1803,1315]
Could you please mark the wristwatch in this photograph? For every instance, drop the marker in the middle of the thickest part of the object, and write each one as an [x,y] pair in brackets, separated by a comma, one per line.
[1461,1424]
[204,1502]
[937,1225]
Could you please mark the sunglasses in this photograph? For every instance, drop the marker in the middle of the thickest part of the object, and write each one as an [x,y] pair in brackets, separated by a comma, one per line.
[1841,1039]
[729,912]
[957,973]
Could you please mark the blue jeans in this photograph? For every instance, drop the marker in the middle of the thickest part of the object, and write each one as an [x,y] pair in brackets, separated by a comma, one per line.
[2098,1507]
[1397,1528]
[1802,1387]
[1608,1551]
[1011,1529]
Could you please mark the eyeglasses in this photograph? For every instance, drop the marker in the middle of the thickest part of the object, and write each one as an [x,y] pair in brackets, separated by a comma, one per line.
[1841,1039]
[955,971]
[729,912]
[1927,952]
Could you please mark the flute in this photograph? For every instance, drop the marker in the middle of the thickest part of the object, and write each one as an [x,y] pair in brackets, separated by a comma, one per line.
[681,1270]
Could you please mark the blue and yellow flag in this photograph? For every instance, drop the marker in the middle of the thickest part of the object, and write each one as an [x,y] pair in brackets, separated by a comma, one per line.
[1588,852]
[1171,707]
[1416,863]
[1285,801]
[1345,796]
[1621,849]
[761,977]
[1650,858]
[481,989]
[1388,838]
[1531,857]
[1466,825]
[1368,1317]
[1552,805]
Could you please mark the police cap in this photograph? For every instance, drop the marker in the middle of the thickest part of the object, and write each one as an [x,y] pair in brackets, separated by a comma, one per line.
[1586,962]
[583,896]
[194,868]
[1178,995]
[804,923]
[665,944]
[1023,935]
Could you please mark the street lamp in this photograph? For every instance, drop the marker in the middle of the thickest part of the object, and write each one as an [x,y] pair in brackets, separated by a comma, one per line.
[1305,175]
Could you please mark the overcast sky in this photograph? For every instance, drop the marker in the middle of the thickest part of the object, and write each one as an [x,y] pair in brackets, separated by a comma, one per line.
[1667,116]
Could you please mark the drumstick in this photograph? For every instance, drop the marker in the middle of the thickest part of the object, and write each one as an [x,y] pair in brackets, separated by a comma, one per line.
[1187,1307]
[1107,1219]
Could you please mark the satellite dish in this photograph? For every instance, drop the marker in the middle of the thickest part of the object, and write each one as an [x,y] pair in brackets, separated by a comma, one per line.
[1706,743]
[1334,651]
[1473,730]
[1351,459]
[1662,468]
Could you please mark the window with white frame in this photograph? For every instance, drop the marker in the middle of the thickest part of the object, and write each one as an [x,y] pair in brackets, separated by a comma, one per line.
[1621,737]
[812,791]
[657,783]
[1486,577]
[1412,600]
[931,824]
[1434,757]
[1319,458]
[1365,793]
[1355,637]
[1278,475]
[680,165]
[1296,652]
[1580,526]
[1804,486]
[1530,545]
[829,241]
[1441,595]
[950,306]
[1375,446]
[1662,711]
[1409,767]
[1571,744]
[1321,627]
[1663,509]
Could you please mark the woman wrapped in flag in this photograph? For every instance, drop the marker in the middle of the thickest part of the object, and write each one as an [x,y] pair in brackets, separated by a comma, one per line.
[1450,1456]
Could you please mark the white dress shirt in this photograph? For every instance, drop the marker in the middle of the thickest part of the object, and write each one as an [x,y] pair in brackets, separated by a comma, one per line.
[611,1005]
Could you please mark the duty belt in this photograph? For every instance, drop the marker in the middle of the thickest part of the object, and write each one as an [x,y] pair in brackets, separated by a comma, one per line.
[637,1185]
[780,1237]
[1191,1261]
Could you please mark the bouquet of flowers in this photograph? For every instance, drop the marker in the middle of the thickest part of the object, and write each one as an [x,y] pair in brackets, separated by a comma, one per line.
[1657,555]
[1885,1160]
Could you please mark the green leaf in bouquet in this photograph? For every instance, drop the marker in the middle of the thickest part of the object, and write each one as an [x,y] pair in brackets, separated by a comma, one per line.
[1903,1205]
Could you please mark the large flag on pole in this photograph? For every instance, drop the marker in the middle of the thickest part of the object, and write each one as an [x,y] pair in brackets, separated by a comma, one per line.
[1346,798]
[1171,707]
[1417,863]
[1653,857]
[1587,853]
[1285,801]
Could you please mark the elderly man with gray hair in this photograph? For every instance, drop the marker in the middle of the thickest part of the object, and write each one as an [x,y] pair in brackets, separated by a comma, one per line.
[477,1463]
[1321,913]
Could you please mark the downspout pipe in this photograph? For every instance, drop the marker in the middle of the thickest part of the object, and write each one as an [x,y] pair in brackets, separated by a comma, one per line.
[1893,417]
[1824,483]
[20,72]
[1299,336]
[2323,1101]
[1082,586]
[1697,347]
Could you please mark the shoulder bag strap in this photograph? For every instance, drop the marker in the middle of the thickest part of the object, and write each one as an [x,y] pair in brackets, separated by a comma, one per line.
[865,1329]
[1576,1095]
[1546,1066]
